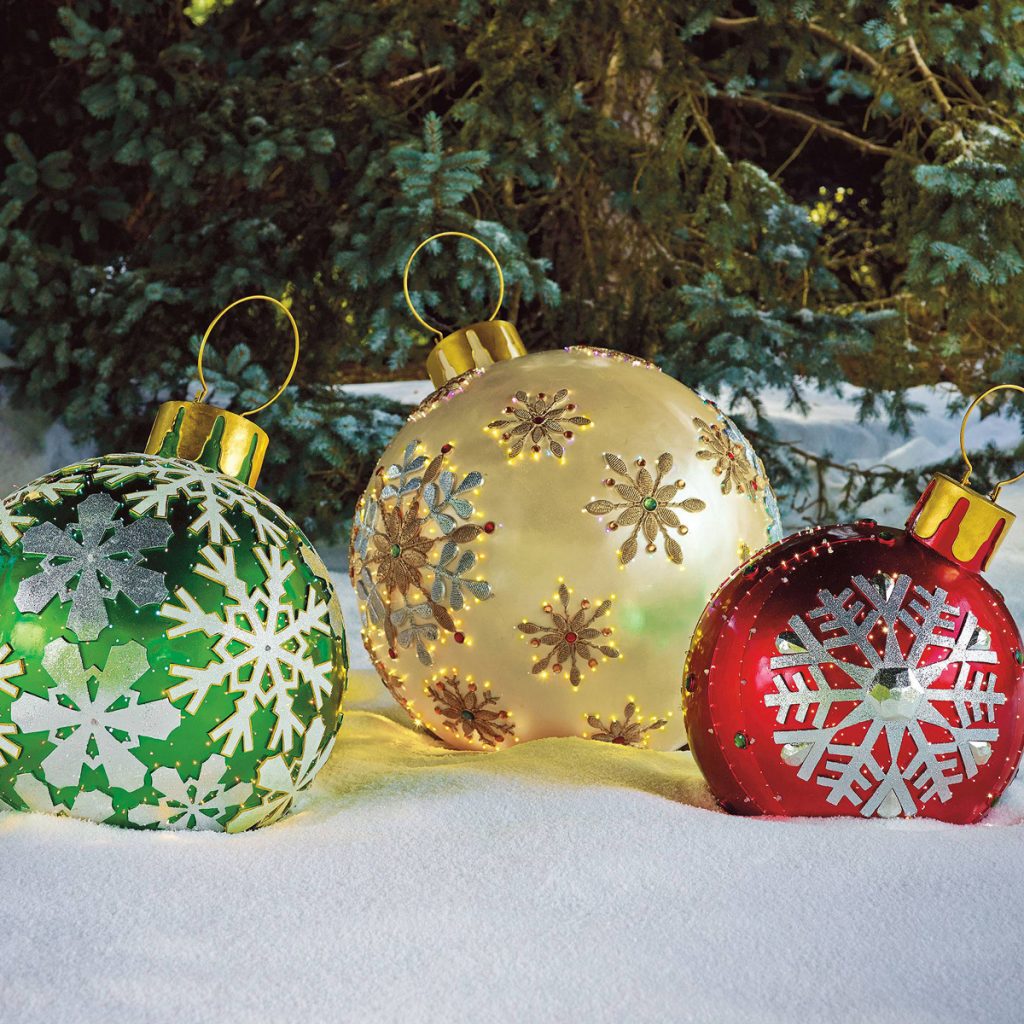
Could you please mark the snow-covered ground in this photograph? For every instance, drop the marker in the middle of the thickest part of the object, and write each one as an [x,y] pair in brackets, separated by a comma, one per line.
[561,880]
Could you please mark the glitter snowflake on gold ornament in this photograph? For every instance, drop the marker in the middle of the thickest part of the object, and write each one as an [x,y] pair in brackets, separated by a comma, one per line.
[625,731]
[571,637]
[476,712]
[729,457]
[647,506]
[543,421]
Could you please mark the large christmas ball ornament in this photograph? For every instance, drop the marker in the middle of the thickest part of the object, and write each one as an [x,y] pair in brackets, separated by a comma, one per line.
[171,650]
[538,542]
[861,670]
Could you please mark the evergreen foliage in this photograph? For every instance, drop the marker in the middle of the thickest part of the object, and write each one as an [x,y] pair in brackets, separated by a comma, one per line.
[752,194]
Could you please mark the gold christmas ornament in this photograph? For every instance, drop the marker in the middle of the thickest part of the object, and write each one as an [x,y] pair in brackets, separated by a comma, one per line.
[539,540]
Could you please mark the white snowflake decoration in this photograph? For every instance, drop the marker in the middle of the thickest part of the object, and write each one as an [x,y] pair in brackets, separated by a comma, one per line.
[284,783]
[273,637]
[101,556]
[213,495]
[49,490]
[98,732]
[192,803]
[894,694]
[9,669]
[91,805]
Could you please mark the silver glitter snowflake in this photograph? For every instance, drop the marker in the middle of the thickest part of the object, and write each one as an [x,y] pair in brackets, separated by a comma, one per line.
[891,686]
[102,554]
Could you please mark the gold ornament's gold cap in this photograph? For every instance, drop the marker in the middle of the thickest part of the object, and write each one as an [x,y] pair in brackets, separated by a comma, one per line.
[227,442]
[472,348]
[958,523]
[215,438]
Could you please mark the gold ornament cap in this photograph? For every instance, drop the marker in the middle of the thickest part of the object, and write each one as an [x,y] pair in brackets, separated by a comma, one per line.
[470,348]
[225,441]
[957,522]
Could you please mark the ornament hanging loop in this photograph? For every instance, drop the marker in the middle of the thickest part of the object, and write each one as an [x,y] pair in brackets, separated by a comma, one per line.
[963,448]
[451,234]
[204,387]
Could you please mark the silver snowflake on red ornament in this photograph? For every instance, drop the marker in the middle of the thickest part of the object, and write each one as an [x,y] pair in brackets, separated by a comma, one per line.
[856,666]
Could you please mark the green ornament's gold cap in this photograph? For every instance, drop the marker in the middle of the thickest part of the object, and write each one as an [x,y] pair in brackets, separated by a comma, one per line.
[215,438]
[472,348]
[227,442]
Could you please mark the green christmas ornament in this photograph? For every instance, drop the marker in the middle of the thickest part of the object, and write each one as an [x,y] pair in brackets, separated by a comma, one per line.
[172,652]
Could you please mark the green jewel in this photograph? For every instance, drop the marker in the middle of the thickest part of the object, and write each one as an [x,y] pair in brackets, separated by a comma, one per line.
[395,550]
[650,504]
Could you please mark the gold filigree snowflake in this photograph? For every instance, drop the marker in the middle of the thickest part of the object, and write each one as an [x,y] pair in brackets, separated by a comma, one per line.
[647,506]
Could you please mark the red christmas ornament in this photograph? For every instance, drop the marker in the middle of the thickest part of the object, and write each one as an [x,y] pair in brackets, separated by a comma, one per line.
[864,671]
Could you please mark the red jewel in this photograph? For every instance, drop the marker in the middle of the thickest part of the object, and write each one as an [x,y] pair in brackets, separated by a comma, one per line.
[731,456]
[538,420]
[488,527]
[508,408]
[472,686]
[505,437]
[392,653]
[445,449]
[459,638]
[571,406]
[540,394]
[570,638]
[568,435]
[606,631]
[620,741]
[536,447]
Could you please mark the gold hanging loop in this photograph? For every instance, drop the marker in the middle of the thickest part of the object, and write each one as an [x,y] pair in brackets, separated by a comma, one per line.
[963,448]
[204,387]
[451,234]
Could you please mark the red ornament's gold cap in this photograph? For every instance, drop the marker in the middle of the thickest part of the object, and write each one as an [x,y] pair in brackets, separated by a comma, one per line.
[958,523]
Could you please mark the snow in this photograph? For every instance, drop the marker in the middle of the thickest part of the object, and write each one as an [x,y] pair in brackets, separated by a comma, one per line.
[559,880]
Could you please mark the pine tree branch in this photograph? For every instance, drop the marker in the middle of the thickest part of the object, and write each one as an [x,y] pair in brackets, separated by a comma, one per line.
[735,24]
[825,127]
[416,76]
[926,72]
[776,174]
